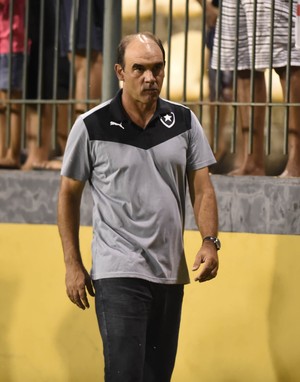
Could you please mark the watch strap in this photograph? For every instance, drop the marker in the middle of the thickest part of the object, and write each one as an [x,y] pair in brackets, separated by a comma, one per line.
[214,240]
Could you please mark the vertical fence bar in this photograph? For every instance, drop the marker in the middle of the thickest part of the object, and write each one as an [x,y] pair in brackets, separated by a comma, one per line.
[137,18]
[88,52]
[10,54]
[24,75]
[270,95]
[287,79]
[252,80]
[40,71]
[235,81]
[186,34]
[297,27]
[72,49]
[112,35]
[154,17]
[170,28]
[202,60]
[216,114]
[55,74]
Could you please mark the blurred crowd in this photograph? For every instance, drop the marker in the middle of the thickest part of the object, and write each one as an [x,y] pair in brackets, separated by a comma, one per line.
[242,37]
[50,51]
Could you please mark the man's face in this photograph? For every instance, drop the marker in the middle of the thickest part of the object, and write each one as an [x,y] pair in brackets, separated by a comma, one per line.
[143,72]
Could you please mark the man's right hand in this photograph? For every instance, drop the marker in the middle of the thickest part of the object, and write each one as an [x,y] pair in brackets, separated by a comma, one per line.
[77,282]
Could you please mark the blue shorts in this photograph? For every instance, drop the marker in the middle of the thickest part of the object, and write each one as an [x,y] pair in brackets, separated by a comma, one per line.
[81,14]
[16,71]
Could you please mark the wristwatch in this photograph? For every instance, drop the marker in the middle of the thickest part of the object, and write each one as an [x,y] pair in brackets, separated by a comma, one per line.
[214,240]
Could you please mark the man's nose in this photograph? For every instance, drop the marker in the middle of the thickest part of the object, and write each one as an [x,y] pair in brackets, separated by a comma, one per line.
[149,77]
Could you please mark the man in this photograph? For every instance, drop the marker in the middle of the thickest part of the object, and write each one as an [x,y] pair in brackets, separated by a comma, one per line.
[271,40]
[136,151]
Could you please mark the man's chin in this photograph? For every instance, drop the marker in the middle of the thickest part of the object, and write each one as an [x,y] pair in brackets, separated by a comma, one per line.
[150,95]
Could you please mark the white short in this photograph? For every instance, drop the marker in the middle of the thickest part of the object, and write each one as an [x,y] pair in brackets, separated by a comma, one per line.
[258,29]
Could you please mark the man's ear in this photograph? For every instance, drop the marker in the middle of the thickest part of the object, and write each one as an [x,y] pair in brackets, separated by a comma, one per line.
[119,72]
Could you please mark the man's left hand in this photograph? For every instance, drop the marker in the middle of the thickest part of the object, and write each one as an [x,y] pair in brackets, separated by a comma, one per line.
[207,259]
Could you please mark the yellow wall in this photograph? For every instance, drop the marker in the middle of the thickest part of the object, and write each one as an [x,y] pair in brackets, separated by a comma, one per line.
[243,326]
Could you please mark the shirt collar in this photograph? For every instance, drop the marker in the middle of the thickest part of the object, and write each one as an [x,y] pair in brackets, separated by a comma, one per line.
[119,114]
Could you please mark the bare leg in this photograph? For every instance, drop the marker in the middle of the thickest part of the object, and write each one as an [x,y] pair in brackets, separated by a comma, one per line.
[222,144]
[95,85]
[62,135]
[80,78]
[253,163]
[96,76]
[12,154]
[38,153]
[2,124]
[95,79]
[62,126]
[292,168]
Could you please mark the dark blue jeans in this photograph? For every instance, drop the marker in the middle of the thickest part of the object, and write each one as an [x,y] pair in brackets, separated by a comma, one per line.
[139,324]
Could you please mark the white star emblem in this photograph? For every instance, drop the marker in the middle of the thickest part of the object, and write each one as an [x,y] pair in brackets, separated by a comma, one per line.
[168,120]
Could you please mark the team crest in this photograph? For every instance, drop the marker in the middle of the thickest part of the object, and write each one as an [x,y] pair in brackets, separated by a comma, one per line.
[168,120]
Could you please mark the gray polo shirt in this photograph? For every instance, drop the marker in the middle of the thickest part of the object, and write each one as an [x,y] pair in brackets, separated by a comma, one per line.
[138,182]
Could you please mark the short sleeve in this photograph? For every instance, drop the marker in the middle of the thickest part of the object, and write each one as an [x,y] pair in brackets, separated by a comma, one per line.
[199,153]
[76,161]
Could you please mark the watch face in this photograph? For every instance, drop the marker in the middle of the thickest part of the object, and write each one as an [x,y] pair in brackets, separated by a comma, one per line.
[217,244]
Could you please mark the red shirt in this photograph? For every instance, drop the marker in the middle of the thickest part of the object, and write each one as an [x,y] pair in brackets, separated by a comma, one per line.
[17,29]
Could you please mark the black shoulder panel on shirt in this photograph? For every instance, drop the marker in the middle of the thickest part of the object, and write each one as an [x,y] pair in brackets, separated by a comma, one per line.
[167,123]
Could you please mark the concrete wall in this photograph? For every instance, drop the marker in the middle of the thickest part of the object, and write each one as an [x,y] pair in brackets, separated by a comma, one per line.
[246,203]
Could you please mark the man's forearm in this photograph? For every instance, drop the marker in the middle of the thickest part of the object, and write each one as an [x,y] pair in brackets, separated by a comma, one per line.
[68,225]
[206,213]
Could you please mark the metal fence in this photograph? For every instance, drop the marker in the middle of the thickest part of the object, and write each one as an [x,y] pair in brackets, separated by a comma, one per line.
[182,27]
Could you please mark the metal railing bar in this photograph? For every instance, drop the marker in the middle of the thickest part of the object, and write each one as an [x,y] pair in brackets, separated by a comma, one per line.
[24,75]
[88,49]
[137,19]
[55,74]
[170,30]
[270,95]
[252,81]
[8,105]
[202,59]
[186,30]
[40,69]
[234,102]
[287,79]
[154,17]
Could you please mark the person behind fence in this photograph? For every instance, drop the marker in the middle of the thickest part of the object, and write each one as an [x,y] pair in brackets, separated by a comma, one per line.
[253,162]
[225,83]
[11,82]
[137,151]
[75,27]
[40,82]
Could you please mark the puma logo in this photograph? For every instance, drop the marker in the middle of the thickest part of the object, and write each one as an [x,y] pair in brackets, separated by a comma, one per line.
[112,123]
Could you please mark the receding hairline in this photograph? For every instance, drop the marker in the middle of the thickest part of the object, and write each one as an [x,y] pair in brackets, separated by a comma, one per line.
[143,37]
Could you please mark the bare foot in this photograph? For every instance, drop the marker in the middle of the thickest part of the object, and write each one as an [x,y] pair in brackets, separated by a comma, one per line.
[290,173]
[247,171]
[9,164]
[27,166]
[51,165]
